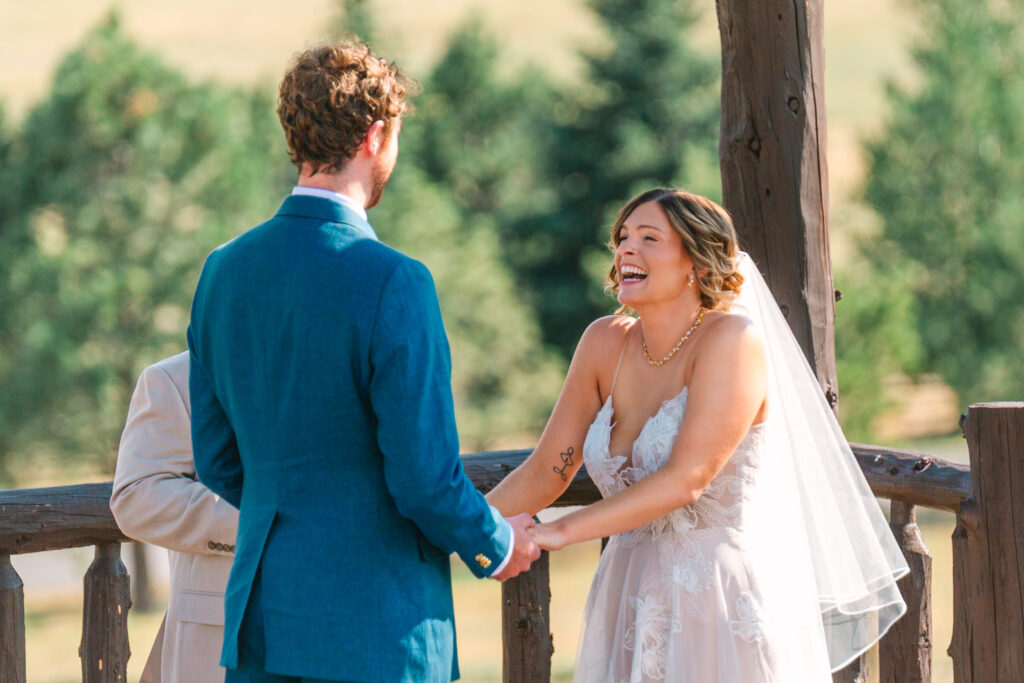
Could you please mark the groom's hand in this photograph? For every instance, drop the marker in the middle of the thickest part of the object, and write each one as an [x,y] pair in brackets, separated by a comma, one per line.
[524,550]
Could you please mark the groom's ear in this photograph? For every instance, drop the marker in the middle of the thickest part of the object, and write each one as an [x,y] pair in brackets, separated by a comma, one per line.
[374,140]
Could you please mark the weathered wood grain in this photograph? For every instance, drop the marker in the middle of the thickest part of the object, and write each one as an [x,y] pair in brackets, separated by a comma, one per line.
[33,520]
[12,623]
[918,478]
[915,478]
[856,672]
[772,149]
[104,648]
[488,468]
[905,653]
[526,625]
[988,547]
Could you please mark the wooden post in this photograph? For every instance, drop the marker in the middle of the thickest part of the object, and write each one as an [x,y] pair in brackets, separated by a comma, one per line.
[772,150]
[988,550]
[773,156]
[905,653]
[12,623]
[856,672]
[104,649]
[526,625]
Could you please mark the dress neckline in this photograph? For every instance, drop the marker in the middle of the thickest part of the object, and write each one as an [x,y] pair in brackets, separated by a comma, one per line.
[611,425]
[664,404]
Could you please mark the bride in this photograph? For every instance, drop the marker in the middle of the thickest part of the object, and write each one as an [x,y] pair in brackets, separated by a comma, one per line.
[744,543]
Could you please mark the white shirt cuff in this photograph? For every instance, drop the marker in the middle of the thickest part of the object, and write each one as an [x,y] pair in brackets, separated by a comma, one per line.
[511,545]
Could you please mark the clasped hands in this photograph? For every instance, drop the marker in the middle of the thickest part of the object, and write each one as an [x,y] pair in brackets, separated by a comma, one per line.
[529,539]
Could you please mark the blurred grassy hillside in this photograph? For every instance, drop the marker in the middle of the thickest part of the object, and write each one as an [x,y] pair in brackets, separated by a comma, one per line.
[248,42]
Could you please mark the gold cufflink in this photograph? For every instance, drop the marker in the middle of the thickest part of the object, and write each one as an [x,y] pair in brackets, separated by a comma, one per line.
[482,560]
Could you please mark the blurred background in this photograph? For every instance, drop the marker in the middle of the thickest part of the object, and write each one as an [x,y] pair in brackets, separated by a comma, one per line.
[136,137]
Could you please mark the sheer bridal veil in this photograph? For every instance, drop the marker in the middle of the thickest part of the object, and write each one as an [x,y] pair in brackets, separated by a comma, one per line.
[818,524]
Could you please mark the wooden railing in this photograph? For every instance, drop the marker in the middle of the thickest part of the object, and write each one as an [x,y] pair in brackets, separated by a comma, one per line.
[34,520]
[988,558]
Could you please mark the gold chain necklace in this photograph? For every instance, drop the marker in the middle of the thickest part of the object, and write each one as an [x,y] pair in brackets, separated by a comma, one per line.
[679,344]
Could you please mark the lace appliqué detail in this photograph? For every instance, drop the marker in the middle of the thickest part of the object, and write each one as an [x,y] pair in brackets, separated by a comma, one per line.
[648,634]
[750,622]
[686,573]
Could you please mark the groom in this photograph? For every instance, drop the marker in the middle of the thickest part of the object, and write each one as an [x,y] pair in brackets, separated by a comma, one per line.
[322,409]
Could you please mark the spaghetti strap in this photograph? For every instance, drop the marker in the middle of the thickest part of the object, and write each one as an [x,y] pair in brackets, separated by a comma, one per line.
[622,354]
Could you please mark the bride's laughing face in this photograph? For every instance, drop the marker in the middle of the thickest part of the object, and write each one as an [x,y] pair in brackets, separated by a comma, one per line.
[650,259]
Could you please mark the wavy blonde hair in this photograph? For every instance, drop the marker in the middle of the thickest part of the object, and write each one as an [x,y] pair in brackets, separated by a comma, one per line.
[708,236]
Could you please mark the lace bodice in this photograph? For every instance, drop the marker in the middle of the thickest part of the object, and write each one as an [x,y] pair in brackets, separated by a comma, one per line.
[722,503]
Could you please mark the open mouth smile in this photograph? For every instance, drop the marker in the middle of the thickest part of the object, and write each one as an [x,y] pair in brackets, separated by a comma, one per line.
[631,274]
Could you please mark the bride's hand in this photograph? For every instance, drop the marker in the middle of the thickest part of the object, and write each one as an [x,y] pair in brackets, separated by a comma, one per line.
[548,536]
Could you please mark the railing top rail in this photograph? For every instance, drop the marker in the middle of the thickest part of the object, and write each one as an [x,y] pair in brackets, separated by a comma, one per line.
[917,478]
[33,520]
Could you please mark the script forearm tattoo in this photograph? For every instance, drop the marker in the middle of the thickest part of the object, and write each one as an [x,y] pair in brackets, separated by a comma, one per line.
[567,462]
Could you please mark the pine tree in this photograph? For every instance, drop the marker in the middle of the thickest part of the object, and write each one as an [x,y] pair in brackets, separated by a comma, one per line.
[645,116]
[355,19]
[119,183]
[503,379]
[946,177]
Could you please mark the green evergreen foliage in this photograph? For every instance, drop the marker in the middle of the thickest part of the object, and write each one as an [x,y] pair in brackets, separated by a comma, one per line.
[875,340]
[646,115]
[118,185]
[355,19]
[121,181]
[504,381]
[946,178]
[467,173]
[477,132]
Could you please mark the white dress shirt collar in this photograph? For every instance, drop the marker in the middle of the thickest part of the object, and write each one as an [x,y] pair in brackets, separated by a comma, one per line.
[333,196]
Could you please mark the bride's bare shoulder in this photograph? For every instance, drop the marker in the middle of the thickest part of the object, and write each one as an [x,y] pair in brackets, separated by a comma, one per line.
[605,336]
[729,331]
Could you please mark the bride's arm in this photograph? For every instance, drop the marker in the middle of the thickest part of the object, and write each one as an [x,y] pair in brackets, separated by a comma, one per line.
[726,392]
[545,475]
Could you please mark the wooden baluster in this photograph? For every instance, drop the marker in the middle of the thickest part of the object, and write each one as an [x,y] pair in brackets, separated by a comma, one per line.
[104,649]
[855,672]
[526,625]
[988,574]
[905,653]
[12,623]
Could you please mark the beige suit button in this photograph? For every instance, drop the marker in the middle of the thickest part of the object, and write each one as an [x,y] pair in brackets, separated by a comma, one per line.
[211,545]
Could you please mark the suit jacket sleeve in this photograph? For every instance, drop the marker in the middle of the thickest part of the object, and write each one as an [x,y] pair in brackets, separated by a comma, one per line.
[410,392]
[214,448]
[155,497]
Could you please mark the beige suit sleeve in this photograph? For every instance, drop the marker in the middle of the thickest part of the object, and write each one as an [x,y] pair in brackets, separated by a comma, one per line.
[156,497]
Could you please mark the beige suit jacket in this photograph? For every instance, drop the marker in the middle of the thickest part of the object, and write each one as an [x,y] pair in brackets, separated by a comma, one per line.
[157,499]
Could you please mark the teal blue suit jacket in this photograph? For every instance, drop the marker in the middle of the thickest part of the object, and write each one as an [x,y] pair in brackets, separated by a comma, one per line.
[322,408]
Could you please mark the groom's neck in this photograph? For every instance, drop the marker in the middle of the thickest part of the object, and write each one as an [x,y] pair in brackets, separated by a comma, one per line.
[352,181]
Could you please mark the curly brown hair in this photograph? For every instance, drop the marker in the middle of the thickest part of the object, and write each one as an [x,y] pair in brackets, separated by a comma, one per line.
[331,96]
[709,238]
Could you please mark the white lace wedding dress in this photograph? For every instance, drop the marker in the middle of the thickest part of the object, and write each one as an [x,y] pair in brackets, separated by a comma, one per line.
[681,599]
